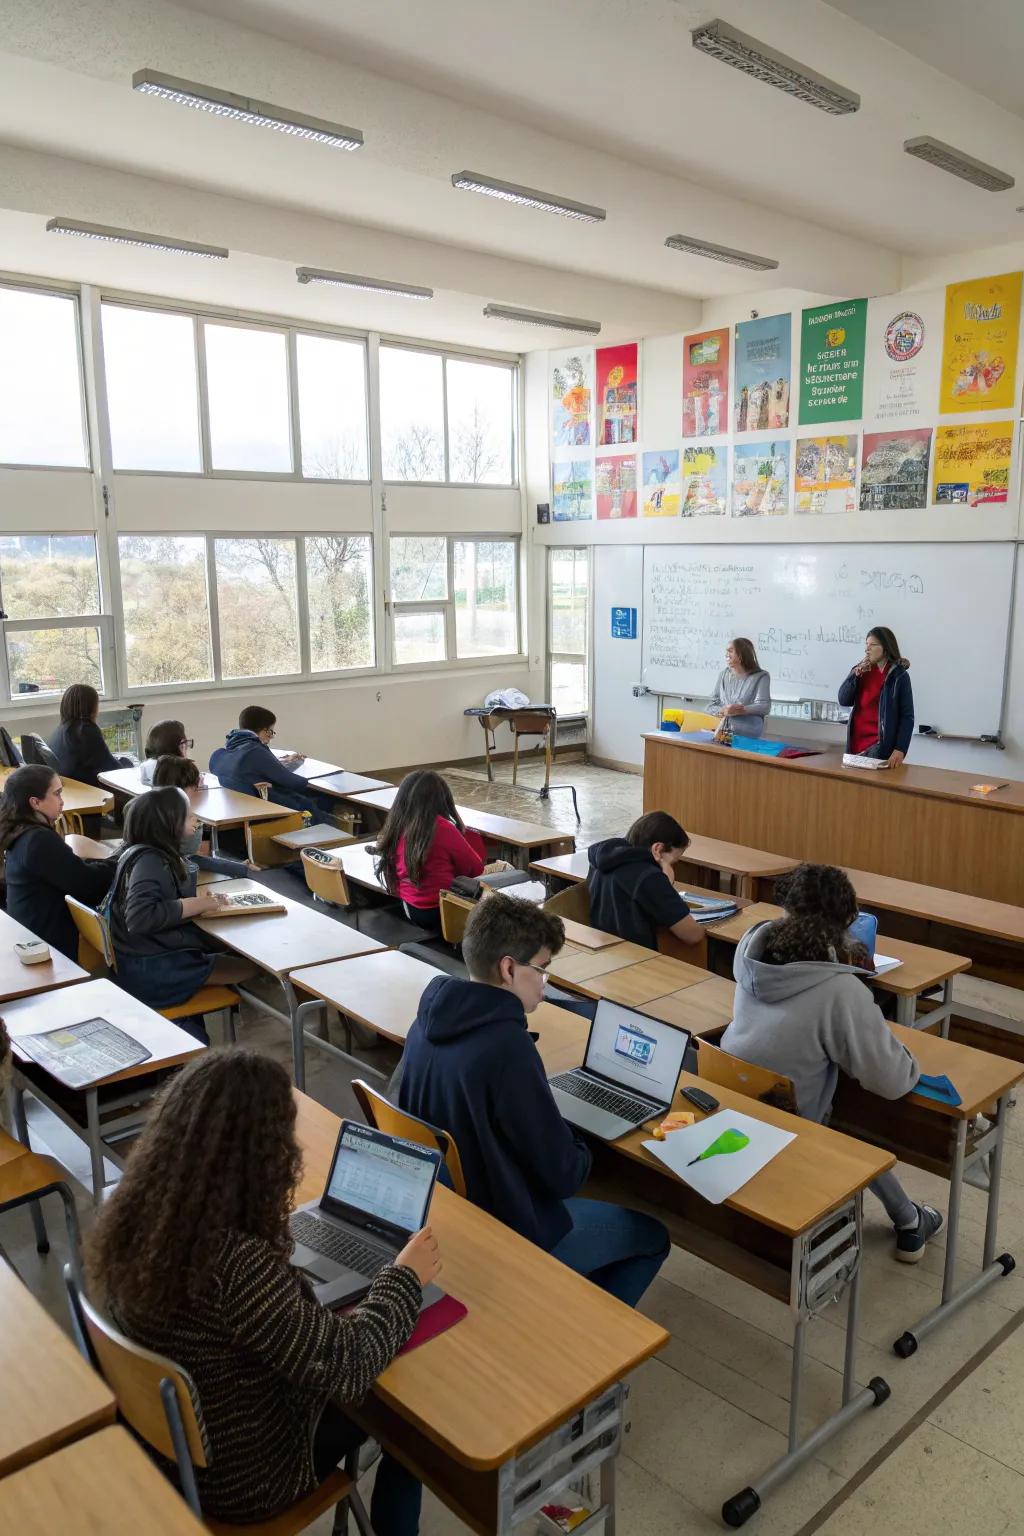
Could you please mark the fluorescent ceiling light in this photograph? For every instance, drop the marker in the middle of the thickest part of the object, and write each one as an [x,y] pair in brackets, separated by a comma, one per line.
[134,237]
[367,284]
[946,158]
[529,197]
[723,42]
[538,317]
[243,109]
[697,247]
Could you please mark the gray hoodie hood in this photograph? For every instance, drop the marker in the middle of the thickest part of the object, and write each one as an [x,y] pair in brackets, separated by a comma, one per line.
[779,983]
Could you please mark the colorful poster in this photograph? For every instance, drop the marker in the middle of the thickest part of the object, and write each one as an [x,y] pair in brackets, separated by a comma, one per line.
[616,395]
[706,384]
[832,361]
[979,345]
[826,474]
[705,481]
[572,396]
[901,370]
[763,374]
[616,486]
[894,470]
[760,479]
[572,499]
[661,484]
[972,464]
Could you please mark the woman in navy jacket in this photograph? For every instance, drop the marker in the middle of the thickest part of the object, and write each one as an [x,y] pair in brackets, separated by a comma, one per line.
[878,691]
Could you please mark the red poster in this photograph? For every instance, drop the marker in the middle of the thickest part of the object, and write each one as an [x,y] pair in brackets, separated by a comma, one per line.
[706,383]
[616,486]
[616,395]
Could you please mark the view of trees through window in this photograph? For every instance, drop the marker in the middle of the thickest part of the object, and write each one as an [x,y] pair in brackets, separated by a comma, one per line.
[50,576]
[166,609]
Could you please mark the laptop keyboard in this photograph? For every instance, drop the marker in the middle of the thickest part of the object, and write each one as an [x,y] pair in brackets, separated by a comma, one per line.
[616,1103]
[334,1243]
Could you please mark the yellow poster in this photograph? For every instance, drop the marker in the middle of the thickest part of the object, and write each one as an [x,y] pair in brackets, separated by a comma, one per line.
[979,345]
[972,464]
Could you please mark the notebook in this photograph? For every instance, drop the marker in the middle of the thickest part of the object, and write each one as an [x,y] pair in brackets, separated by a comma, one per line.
[245,904]
[80,1054]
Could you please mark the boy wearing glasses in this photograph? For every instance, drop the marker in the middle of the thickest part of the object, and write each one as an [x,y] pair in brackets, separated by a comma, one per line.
[246,760]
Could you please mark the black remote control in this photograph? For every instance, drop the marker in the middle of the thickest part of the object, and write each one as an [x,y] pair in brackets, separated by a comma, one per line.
[700,1100]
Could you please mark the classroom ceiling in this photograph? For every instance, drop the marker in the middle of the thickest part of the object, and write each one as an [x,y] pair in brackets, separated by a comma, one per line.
[603,101]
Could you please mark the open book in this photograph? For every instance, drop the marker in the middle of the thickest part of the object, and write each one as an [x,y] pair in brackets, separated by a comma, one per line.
[245,904]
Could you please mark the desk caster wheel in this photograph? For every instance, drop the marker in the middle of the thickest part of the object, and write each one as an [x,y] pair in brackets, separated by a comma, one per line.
[1008,1262]
[44,1246]
[738,1510]
[905,1346]
[881,1389]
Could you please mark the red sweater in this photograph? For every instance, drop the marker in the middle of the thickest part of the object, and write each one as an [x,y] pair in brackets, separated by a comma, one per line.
[864,733]
[451,853]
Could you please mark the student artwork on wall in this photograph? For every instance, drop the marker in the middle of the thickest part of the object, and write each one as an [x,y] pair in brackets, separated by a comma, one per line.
[903,353]
[706,384]
[616,485]
[760,479]
[616,395]
[763,374]
[826,474]
[894,470]
[832,362]
[972,464]
[979,345]
[572,491]
[661,484]
[572,395]
[705,481]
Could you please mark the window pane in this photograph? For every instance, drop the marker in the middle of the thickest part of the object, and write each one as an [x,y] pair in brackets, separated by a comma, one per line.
[50,660]
[419,637]
[338,578]
[41,415]
[485,599]
[569,572]
[419,570]
[48,576]
[150,363]
[569,687]
[259,633]
[332,408]
[247,383]
[162,579]
[480,423]
[411,415]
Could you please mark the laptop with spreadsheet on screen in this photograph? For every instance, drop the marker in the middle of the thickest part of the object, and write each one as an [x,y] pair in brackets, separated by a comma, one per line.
[629,1073]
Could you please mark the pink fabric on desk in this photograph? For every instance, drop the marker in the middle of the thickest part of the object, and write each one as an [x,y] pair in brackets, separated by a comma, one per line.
[433,1320]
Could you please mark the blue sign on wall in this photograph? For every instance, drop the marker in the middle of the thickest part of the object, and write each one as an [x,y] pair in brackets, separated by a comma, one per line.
[623,623]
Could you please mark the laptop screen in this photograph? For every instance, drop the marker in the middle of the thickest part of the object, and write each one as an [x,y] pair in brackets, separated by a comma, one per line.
[641,1054]
[381,1181]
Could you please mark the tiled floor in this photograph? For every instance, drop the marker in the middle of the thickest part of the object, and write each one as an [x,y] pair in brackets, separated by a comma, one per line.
[711,1411]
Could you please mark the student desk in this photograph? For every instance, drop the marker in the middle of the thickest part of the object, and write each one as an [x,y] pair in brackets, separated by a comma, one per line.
[17,980]
[110,1106]
[700,1009]
[309,768]
[79,799]
[625,973]
[50,1395]
[216,808]
[525,838]
[89,848]
[491,1414]
[319,835]
[751,871]
[343,785]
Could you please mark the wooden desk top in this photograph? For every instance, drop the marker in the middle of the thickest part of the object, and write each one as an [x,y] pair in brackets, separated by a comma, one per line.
[357,862]
[89,848]
[319,835]
[976,914]
[709,852]
[216,807]
[538,1341]
[282,941]
[345,785]
[501,829]
[978,1077]
[700,1009]
[17,980]
[633,985]
[104,1485]
[309,768]
[79,798]
[50,1395]
[168,1045]
[575,966]
[381,990]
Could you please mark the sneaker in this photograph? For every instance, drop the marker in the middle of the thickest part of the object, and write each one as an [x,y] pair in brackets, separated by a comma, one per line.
[910,1242]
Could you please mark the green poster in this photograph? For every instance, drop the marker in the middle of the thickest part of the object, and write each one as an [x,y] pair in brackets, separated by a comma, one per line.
[832,361]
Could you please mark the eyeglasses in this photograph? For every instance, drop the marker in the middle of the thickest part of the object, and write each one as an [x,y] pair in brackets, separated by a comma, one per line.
[186,741]
[542,970]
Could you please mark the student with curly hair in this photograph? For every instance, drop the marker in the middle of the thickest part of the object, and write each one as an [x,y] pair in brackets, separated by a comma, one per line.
[190,1258]
[802,1009]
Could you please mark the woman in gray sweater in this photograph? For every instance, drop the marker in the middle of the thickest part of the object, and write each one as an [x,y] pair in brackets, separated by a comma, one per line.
[743,691]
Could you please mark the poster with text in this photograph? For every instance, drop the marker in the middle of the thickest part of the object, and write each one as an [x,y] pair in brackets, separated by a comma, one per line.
[894,470]
[572,396]
[706,384]
[616,486]
[661,484]
[832,361]
[760,479]
[572,486]
[616,395]
[825,474]
[979,345]
[763,374]
[972,464]
[705,481]
[902,355]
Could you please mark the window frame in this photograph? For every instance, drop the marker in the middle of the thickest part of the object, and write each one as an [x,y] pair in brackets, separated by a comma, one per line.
[446,605]
[447,354]
[72,292]
[103,623]
[554,550]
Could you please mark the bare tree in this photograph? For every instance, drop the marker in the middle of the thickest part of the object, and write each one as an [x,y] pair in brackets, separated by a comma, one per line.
[473,454]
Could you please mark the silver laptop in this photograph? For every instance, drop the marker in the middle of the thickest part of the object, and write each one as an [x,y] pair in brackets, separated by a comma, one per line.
[377,1196]
[629,1073]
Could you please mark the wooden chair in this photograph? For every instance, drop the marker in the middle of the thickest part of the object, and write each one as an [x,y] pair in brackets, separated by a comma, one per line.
[573,902]
[259,840]
[326,881]
[380,1112]
[26,1177]
[728,1071]
[455,912]
[158,1401]
[692,954]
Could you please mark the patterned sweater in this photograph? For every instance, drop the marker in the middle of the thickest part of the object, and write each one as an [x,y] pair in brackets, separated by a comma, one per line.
[265,1358]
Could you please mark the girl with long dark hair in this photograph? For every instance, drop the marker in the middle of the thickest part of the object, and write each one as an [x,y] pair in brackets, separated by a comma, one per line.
[878,689]
[165,738]
[78,743]
[423,845]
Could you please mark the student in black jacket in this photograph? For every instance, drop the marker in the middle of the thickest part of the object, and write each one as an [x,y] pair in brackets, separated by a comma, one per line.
[631,883]
[471,1067]
[78,743]
[39,867]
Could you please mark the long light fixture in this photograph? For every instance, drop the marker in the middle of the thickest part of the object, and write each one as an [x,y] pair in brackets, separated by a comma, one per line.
[696,247]
[946,158]
[134,237]
[725,43]
[539,317]
[243,109]
[528,197]
[366,284]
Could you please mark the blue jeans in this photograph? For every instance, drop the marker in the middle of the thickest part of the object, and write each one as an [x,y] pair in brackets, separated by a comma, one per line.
[618,1249]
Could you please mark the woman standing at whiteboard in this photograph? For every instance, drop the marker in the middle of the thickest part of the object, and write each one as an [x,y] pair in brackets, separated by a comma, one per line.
[878,689]
[743,692]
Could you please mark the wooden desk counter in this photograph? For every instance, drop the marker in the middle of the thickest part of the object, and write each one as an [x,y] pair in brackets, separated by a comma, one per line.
[17,980]
[380,990]
[79,799]
[280,942]
[104,1485]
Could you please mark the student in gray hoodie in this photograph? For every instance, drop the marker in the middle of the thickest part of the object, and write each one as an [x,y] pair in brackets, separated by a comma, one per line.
[803,1010]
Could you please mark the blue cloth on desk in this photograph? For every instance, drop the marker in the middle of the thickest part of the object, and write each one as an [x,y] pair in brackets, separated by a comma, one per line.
[939,1088]
[755,744]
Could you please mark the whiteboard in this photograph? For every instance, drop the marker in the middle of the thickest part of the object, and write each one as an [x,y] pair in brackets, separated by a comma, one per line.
[808,607]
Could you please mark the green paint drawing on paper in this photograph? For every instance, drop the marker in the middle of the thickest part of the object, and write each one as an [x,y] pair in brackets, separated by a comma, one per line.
[729,1141]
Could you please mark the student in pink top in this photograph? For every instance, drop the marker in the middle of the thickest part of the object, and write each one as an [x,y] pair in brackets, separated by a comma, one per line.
[423,845]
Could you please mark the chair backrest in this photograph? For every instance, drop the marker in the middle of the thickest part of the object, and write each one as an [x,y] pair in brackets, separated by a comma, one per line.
[262,788]
[93,928]
[259,839]
[573,902]
[325,880]
[386,1116]
[455,912]
[9,754]
[35,750]
[728,1071]
[692,954]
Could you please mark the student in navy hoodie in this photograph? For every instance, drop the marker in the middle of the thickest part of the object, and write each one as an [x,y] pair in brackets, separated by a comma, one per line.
[631,887]
[246,760]
[471,1067]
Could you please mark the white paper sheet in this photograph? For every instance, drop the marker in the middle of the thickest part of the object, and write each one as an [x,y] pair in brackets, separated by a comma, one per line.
[722,1174]
[885,963]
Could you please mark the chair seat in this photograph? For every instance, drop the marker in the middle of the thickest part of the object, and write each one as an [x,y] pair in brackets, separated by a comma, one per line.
[27,1175]
[330,1492]
[206,1000]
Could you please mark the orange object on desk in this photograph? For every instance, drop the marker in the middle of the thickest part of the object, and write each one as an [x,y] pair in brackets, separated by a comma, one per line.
[673,1122]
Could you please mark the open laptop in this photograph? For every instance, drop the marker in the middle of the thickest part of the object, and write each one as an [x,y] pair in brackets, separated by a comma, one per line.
[377,1196]
[629,1073]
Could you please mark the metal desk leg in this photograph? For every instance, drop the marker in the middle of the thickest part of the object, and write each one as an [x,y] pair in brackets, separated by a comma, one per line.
[608,1494]
[92,1111]
[906,1010]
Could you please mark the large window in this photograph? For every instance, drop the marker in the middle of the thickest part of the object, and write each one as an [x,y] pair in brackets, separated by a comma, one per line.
[446,418]
[339,594]
[453,599]
[332,407]
[480,420]
[42,414]
[258,607]
[152,389]
[485,598]
[411,414]
[54,633]
[568,593]
[166,610]
[247,386]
